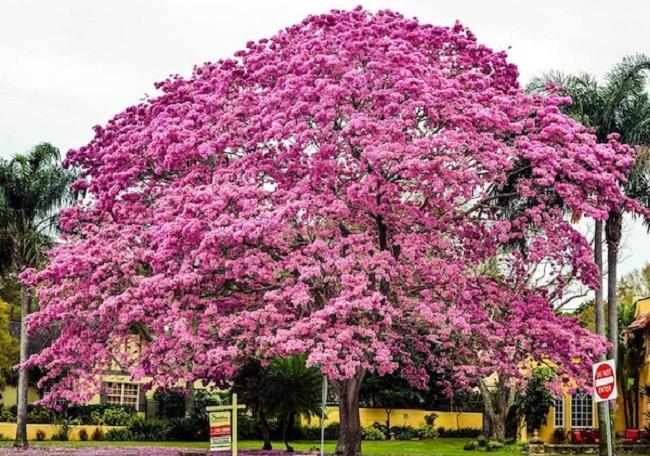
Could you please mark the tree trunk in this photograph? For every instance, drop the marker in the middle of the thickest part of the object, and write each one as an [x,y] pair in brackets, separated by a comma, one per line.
[600,325]
[349,442]
[189,399]
[613,228]
[23,374]
[388,412]
[287,425]
[497,406]
[265,430]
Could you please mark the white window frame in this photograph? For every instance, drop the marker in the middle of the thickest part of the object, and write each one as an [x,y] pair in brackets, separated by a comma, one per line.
[122,385]
[579,411]
[558,413]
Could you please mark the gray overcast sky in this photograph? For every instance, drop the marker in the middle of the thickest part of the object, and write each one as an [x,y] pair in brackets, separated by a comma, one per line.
[66,65]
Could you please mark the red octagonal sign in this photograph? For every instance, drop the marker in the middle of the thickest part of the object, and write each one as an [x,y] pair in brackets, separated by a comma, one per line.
[604,378]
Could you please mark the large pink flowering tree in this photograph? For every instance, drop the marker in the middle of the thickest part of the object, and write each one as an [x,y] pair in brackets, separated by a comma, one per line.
[337,190]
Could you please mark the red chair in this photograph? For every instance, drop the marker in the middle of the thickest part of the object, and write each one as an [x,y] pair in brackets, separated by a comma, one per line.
[632,435]
[576,437]
[590,436]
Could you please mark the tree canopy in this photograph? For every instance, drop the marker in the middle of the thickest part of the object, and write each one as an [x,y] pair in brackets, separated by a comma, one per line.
[330,192]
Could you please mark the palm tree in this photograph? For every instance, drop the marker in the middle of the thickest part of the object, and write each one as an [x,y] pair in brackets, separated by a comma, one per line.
[621,106]
[285,389]
[295,389]
[32,187]
[249,385]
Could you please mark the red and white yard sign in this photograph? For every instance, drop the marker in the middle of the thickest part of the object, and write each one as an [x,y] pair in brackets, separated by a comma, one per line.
[604,376]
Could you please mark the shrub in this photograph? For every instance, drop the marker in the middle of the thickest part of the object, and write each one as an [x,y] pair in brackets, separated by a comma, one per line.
[306,433]
[249,428]
[471,445]
[98,434]
[62,434]
[332,431]
[113,416]
[430,419]
[171,403]
[372,433]
[6,415]
[184,429]
[149,429]
[427,432]
[559,435]
[482,440]
[471,433]
[83,434]
[40,435]
[119,435]
[493,445]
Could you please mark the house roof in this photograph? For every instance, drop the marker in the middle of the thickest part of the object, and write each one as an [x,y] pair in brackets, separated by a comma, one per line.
[641,322]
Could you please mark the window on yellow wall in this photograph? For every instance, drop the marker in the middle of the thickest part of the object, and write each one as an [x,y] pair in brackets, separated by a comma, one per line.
[558,420]
[582,410]
[122,393]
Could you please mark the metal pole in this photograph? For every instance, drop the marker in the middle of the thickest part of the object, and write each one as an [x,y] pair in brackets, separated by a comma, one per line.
[322,416]
[234,425]
[608,427]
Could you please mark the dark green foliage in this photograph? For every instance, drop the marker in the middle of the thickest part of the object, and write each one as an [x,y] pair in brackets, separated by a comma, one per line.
[98,434]
[119,435]
[471,445]
[283,391]
[537,400]
[149,429]
[471,433]
[493,445]
[101,414]
[171,403]
[482,440]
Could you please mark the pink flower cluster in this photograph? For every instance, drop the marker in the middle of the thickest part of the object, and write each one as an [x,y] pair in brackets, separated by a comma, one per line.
[330,191]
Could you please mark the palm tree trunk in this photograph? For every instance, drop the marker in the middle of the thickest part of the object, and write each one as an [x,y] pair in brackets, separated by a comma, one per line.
[23,374]
[287,425]
[349,442]
[600,325]
[265,430]
[613,228]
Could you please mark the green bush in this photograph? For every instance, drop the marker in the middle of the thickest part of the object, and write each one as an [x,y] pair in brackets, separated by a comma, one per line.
[98,434]
[102,414]
[149,429]
[119,435]
[249,428]
[471,445]
[373,433]
[470,433]
[187,429]
[61,434]
[111,416]
[332,431]
[427,432]
[6,415]
[482,440]
[40,435]
[83,434]
[493,445]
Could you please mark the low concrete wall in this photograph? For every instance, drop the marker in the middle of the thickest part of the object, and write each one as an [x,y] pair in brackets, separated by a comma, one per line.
[8,430]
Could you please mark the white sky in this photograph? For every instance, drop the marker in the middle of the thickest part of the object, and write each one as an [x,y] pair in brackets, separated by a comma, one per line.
[66,65]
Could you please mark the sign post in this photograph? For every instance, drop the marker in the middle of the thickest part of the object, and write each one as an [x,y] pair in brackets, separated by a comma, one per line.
[322,416]
[223,426]
[604,380]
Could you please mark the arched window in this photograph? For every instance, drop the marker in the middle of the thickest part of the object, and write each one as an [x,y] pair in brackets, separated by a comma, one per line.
[582,410]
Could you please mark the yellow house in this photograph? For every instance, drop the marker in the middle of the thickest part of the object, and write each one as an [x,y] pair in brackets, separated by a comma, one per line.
[578,410]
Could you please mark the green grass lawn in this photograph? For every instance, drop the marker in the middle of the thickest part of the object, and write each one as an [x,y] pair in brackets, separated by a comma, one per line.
[437,447]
